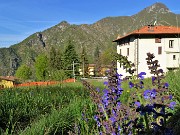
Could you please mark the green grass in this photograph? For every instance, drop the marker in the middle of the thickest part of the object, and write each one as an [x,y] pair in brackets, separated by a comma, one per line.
[173,79]
[24,107]
[58,109]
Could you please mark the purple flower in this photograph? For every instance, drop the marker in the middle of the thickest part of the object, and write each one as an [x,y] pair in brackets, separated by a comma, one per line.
[153,93]
[113,112]
[160,71]
[131,84]
[149,94]
[98,123]
[118,105]
[137,104]
[97,89]
[118,75]
[95,118]
[172,105]
[113,119]
[141,75]
[153,79]
[106,83]
[170,97]
[105,91]
[166,85]
[146,94]
[119,128]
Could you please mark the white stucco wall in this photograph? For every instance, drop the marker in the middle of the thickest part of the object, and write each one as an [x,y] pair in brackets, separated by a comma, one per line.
[149,46]
[146,45]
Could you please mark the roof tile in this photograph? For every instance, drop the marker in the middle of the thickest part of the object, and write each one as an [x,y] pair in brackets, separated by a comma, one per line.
[153,30]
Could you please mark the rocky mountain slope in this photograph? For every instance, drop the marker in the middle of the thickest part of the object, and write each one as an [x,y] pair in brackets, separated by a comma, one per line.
[100,33]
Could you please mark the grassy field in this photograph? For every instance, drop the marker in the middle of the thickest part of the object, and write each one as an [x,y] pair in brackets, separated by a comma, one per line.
[41,110]
[59,109]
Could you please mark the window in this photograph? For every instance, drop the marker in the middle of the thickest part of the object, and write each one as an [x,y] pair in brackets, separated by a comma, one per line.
[174,57]
[171,43]
[157,39]
[120,64]
[129,41]
[159,50]
[127,51]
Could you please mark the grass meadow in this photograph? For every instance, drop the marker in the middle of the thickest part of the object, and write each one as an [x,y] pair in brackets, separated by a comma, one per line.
[59,109]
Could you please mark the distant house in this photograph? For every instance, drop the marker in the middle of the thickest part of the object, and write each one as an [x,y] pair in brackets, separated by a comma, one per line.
[162,41]
[91,70]
[104,69]
[7,81]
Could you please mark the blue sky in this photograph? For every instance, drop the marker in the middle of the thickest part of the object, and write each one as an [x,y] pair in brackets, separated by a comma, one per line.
[21,18]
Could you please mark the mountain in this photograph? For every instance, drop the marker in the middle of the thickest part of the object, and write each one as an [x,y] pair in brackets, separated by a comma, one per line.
[100,33]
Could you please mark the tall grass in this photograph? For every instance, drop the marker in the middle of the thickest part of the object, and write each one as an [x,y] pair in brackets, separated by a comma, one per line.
[59,109]
[24,107]
[173,78]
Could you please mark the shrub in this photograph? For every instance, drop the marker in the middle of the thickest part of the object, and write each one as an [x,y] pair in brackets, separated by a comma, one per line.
[146,112]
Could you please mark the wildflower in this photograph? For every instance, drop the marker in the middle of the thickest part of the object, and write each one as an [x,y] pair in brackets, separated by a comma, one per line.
[138,104]
[153,79]
[95,118]
[146,94]
[149,94]
[166,85]
[113,120]
[131,84]
[160,71]
[141,75]
[114,113]
[119,128]
[105,91]
[106,83]
[97,89]
[172,105]
[170,97]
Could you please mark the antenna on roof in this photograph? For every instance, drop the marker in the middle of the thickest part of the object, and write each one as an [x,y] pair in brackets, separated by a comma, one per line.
[155,22]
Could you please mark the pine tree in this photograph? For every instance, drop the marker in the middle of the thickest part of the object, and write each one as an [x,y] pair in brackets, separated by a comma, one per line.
[23,72]
[97,61]
[41,67]
[69,56]
[84,63]
[52,58]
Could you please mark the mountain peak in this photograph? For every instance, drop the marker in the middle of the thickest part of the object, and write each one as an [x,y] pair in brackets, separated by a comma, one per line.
[158,8]
[63,24]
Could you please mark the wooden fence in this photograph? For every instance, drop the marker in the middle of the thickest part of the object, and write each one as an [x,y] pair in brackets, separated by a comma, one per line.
[43,83]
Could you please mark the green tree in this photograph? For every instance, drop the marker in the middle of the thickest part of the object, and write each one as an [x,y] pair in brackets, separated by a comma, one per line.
[69,56]
[41,67]
[52,58]
[96,53]
[58,62]
[97,61]
[58,75]
[23,72]
[107,56]
[84,62]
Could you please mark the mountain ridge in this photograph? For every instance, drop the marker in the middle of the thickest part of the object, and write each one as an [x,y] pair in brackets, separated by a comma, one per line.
[100,33]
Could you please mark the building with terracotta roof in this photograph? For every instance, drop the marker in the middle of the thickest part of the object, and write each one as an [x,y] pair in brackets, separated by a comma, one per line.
[7,81]
[162,41]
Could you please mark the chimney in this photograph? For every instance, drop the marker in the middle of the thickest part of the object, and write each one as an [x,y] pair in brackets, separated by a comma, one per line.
[151,28]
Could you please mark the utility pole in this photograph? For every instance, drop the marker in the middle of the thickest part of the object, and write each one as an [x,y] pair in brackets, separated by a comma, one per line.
[83,66]
[74,71]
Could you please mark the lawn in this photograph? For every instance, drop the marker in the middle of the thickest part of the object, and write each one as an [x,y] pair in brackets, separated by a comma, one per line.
[63,109]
